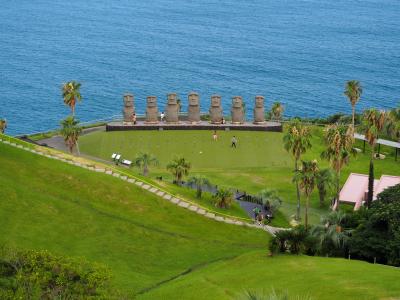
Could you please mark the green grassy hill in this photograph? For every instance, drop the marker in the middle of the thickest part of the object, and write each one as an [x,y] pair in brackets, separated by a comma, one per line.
[46,204]
[154,249]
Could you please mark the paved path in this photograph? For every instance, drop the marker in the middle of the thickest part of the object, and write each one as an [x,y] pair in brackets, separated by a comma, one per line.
[94,167]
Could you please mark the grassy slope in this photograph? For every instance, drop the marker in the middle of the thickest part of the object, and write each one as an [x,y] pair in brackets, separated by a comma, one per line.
[143,239]
[320,278]
[259,162]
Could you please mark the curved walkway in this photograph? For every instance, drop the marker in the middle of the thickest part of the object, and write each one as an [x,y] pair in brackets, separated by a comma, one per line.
[94,166]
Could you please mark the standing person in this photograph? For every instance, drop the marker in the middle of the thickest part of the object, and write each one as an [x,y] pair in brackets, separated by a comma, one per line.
[134,119]
[3,125]
[162,116]
[234,142]
[215,136]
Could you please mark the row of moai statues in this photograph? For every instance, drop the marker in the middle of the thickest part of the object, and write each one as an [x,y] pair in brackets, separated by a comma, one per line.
[216,113]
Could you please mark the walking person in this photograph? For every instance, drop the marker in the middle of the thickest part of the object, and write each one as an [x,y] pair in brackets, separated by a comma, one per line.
[234,142]
[215,136]
[162,116]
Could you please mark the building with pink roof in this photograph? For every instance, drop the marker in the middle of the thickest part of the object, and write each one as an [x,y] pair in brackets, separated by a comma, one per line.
[355,190]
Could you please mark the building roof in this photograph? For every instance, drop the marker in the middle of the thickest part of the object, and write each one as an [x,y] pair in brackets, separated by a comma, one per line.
[356,187]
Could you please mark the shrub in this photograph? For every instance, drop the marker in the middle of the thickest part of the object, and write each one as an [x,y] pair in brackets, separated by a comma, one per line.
[41,275]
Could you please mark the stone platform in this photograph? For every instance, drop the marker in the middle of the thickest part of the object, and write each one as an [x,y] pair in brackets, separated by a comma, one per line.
[203,125]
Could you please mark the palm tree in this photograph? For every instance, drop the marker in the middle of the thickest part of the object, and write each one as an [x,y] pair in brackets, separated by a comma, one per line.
[277,111]
[353,91]
[339,140]
[374,121]
[325,183]
[393,123]
[3,125]
[144,160]
[330,232]
[296,141]
[200,182]
[179,168]
[71,94]
[307,177]
[71,130]
[223,198]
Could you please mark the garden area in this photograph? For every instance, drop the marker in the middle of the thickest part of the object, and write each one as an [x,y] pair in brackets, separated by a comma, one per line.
[259,162]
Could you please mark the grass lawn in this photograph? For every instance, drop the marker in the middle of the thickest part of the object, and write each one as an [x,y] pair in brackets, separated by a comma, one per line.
[143,239]
[259,161]
[317,277]
[154,249]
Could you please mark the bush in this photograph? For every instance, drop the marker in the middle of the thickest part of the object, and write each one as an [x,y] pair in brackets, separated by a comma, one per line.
[41,275]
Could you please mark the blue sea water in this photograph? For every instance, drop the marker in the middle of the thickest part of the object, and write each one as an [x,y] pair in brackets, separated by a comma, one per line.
[297,51]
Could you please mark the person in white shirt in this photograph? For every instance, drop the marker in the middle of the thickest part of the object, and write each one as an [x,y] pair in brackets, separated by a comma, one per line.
[162,116]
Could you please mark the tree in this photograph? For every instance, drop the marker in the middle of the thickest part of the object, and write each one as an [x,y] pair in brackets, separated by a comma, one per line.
[377,235]
[339,142]
[144,160]
[393,123]
[325,183]
[307,177]
[3,125]
[332,238]
[271,200]
[277,111]
[353,91]
[223,198]
[71,94]
[71,130]
[42,275]
[374,122]
[179,168]
[296,141]
[200,182]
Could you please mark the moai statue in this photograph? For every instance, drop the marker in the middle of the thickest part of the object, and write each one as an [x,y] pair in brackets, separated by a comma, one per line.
[237,110]
[151,110]
[172,109]
[129,108]
[259,111]
[216,110]
[194,108]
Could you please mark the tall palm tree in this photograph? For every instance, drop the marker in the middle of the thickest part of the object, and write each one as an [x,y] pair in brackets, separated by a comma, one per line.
[200,182]
[277,111]
[339,141]
[325,183]
[3,125]
[296,141]
[71,130]
[307,177]
[374,122]
[353,91]
[223,198]
[179,168]
[71,94]
[144,160]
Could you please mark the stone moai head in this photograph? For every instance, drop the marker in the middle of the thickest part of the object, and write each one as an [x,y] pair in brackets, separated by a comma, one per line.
[151,101]
[128,100]
[193,99]
[215,101]
[259,102]
[172,99]
[237,102]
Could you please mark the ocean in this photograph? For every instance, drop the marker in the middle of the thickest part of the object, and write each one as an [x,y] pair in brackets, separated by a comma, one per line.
[299,52]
